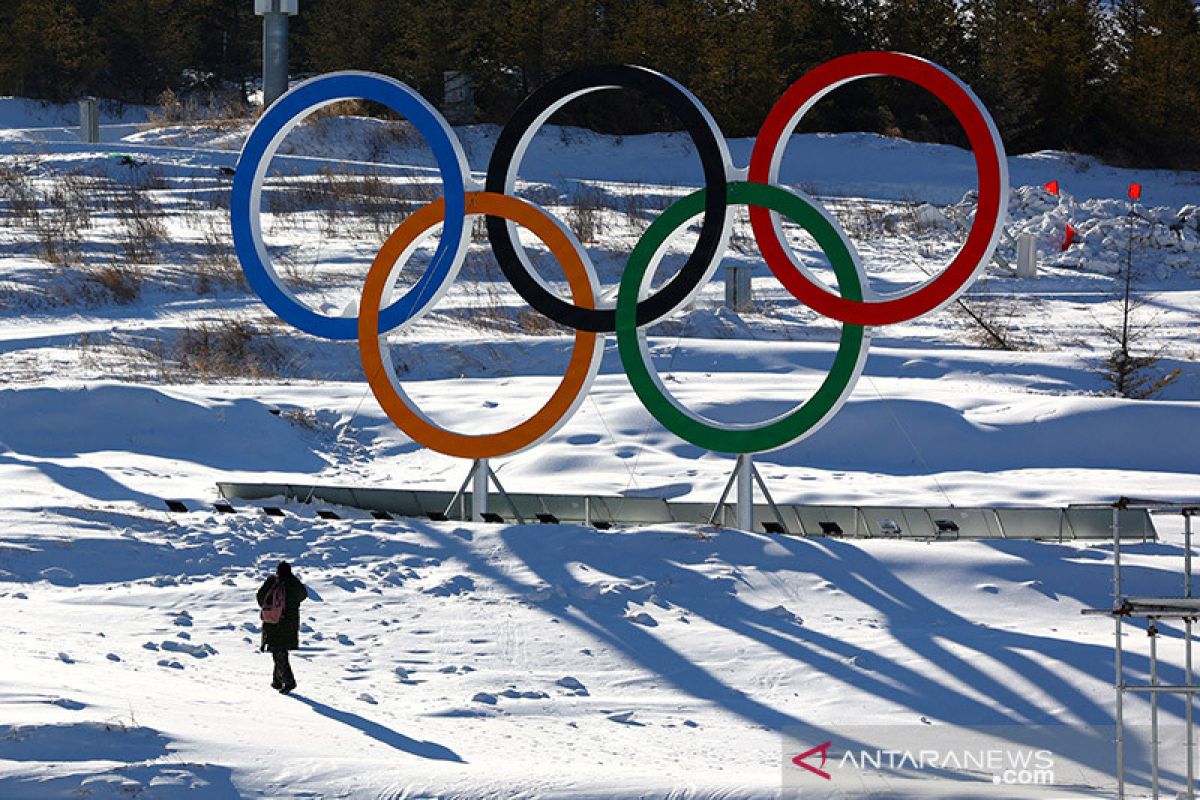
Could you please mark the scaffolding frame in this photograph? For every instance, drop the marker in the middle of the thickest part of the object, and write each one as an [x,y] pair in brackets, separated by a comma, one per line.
[1184,607]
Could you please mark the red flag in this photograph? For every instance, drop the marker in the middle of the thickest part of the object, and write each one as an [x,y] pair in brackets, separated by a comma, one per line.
[1051,187]
[1135,191]
[1068,237]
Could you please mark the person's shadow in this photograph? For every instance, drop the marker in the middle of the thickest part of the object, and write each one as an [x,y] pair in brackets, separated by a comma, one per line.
[391,738]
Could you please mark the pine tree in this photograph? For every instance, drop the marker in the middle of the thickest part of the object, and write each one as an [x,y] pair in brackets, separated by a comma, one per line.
[1156,100]
[1039,66]
[53,54]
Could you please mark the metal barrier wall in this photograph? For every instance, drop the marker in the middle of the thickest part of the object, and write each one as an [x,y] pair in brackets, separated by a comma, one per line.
[1072,522]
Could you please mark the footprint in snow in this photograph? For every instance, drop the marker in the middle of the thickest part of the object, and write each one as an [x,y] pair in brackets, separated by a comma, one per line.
[66,659]
[513,694]
[69,705]
[459,584]
[989,588]
[367,698]
[573,685]
[169,664]
[348,584]
[344,639]
[59,576]
[784,614]
[193,650]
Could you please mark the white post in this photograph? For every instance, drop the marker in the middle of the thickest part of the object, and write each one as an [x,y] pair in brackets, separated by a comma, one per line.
[745,492]
[89,121]
[1026,256]
[739,295]
[479,490]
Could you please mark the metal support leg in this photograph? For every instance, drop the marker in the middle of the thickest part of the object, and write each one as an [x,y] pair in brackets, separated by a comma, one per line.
[719,508]
[745,492]
[460,496]
[479,489]
[503,492]
[762,486]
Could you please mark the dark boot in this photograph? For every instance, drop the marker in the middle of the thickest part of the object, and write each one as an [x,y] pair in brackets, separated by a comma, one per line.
[283,669]
[276,674]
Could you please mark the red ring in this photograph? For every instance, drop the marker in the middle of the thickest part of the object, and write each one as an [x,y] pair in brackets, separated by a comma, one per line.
[989,165]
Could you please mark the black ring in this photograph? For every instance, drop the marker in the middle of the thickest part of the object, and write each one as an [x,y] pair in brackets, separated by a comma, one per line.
[709,146]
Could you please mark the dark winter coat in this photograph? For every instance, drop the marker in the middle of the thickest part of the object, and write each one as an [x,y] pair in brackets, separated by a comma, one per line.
[284,634]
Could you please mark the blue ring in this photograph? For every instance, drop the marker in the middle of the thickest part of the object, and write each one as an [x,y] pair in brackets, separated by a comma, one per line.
[296,103]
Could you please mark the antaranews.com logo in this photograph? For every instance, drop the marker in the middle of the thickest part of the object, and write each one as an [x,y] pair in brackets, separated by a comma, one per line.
[944,761]
[1008,765]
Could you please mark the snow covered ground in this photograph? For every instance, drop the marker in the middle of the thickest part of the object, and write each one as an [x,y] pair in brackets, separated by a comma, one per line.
[461,660]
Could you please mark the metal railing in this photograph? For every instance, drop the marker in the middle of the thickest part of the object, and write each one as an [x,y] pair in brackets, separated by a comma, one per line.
[1154,609]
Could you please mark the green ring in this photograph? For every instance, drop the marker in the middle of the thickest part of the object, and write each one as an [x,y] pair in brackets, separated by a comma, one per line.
[782,430]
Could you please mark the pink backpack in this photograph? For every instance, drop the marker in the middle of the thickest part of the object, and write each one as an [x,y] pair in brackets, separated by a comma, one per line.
[272,610]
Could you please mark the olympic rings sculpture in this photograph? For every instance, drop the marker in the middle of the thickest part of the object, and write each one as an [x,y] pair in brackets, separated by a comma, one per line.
[854,304]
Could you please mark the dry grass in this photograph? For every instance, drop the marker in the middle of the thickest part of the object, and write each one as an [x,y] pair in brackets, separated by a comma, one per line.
[228,348]
[217,267]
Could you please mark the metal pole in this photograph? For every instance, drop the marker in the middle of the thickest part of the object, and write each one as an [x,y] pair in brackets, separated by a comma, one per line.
[479,489]
[1187,591]
[745,492]
[275,54]
[1191,742]
[1187,554]
[1116,529]
[1152,632]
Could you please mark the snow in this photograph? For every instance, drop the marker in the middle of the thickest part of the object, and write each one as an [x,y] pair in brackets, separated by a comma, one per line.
[462,660]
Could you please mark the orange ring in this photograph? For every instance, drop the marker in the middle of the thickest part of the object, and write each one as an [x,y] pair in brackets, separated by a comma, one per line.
[585,356]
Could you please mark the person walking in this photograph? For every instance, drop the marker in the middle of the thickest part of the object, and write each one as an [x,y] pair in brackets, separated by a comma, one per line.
[279,598]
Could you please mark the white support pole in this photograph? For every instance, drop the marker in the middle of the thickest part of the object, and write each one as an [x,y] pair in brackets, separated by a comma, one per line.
[479,489]
[1026,256]
[745,492]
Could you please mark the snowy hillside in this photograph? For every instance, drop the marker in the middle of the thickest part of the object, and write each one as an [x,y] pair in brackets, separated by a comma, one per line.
[463,660]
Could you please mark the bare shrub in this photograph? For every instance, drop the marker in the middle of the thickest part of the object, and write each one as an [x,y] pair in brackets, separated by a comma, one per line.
[537,324]
[220,112]
[142,228]
[122,283]
[585,213]
[229,348]
[91,286]
[218,267]
[990,319]
[635,206]
[18,190]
